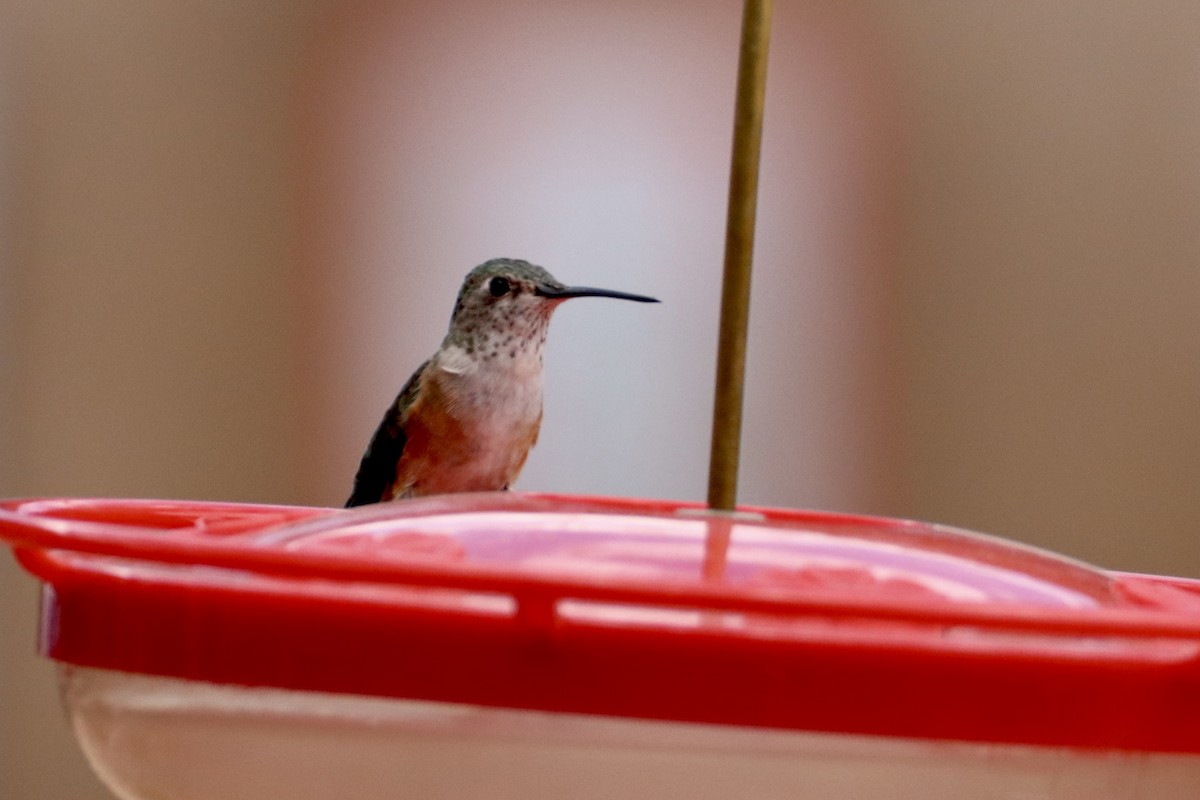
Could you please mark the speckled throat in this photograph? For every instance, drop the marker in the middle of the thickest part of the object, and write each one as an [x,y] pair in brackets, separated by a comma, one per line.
[498,332]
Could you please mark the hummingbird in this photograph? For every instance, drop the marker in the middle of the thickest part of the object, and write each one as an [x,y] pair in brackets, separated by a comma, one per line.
[467,418]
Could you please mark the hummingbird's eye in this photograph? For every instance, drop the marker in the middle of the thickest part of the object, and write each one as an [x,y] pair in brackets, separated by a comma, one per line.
[498,286]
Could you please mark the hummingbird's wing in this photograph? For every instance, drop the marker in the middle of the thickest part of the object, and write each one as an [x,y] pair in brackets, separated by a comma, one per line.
[377,470]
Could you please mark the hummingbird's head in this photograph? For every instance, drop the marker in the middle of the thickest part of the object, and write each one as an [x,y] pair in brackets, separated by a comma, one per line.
[505,304]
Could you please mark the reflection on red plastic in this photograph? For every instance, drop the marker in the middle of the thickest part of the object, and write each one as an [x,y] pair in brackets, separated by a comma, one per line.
[848,579]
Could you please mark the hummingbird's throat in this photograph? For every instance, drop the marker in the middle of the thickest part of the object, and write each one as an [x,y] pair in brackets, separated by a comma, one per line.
[505,338]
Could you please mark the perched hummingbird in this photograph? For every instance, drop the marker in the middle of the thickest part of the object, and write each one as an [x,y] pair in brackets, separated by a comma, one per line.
[468,416]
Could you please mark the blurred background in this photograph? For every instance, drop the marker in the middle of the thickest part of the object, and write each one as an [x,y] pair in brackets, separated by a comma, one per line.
[230,230]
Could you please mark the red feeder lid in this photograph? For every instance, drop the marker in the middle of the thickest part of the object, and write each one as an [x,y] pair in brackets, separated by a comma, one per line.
[642,609]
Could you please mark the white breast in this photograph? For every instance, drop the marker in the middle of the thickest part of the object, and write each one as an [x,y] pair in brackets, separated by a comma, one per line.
[498,401]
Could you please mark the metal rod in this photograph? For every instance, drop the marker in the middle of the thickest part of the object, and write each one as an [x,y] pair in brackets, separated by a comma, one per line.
[739,248]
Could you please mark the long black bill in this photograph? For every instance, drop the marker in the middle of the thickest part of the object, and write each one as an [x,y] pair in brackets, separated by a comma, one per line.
[567,292]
